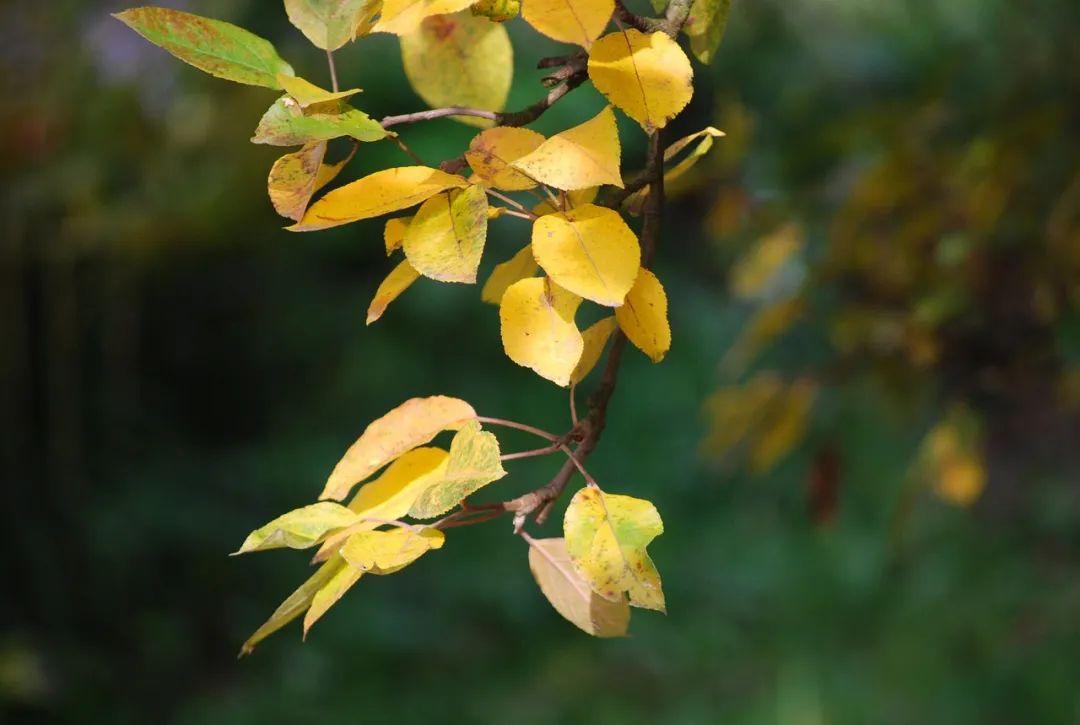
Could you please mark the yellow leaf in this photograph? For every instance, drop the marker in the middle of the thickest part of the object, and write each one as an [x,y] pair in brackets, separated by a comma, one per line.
[382,552]
[580,157]
[300,528]
[395,283]
[330,24]
[590,251]
[460,60]
[474,463]
[595,338]
[307,93]
[783,427]
[606,536]
[570,199]
[394,233]
[402,17]
[571,595]
[293,179]
[520,266]
[296,603]
[498,10]
[736,412]
[949,458]
[538,330]
[569,21]
[491,153]
[411,424]
[380,193]
[756,271]
[706,135]
[643,317]
[445,240]
[648,76]
[330,593]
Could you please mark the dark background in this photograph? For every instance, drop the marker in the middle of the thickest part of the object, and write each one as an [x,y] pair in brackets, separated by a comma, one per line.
[176,370]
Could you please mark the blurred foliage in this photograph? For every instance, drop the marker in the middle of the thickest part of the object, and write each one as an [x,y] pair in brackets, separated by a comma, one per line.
[885,242]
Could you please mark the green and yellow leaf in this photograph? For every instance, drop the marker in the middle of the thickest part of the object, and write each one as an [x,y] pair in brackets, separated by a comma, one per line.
[307,93]
[580,157]
[492,152]
[287,124]
[474,463]
[705,27]
[330,593]
[643,317]
[704,139]
[300,528]
[538,330]
[648,76]
[399,280]
[569,21]
[445,240]
[571,595]
[498,11]
[293,180]
[330,24]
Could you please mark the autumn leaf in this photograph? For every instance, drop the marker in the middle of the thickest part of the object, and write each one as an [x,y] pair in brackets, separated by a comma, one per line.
[571,595]
[520,266]
[949,459]
[580,157]
[705,27]
[385,552]
[492,152]
[394,233]
[287,124]
[474,463]
[569,21]
[460,60]
[606,536]
[380,193]
[307,93]
[636,201]
[590,251]
[300,528]
[445,240]
[757,272]
[497,10]
[218,48]
[395,283]
[594,339]
[783,427]
[330,24]
[411,424]
[643,317]
[330,593]
[292,180]
[538,329]
[648,76]
[403,17]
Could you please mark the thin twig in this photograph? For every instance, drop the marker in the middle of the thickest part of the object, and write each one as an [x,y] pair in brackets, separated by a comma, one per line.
[519,426]
[434,113]
[512,202]
[546,450]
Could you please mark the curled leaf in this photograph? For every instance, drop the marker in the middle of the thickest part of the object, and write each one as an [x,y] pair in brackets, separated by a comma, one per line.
[399,280]
[580,157]
[473,463]
[296,603]
[571,595]
[307,93]
[287,124]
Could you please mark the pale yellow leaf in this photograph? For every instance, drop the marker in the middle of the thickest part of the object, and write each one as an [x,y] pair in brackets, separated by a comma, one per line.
[294,178]
[307,93]
[492,151]
[474,463]
[590,251]
[445,240]
[399,280]
[606,536]
[330,593]
[411,424]
[402,17]
[569,21]
[636,201]
[300,528]
[394,233]
[580,157]
[380,193]
[330,24]
[571,595]
[520,266]
[648,76]
[382,552]
[643,317]
[594,338]
[538,329]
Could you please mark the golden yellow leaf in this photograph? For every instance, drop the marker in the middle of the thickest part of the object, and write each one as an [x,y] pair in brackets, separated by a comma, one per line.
[293,179]
[330,593]
[300,528]
[648,76]
[571,595]
[538,330]
[580,157]
[474,463]
[949,458]
[594,338]
[382,552]
[296,603]
[330,24]
[492,151]
[606,536]
[307,93]
[569,21]
[399,280]
[643,317]
[445,240]
[520,266]
[394,233]
[754,273]
[380,193]
[590,251]
[460,60]
[402,17]
[411,424]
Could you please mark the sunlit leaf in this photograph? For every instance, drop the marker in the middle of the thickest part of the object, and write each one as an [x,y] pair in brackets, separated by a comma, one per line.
[571,595]
[307,93]
[520,266]
[538,329]
[474,463]
[383,552]
[330,24]
[635,202]
[287,124]
[643,317]
[647,76]
[492,152]
[300,528]
[594,338]
[580,157]
[569,21]
[394,233]
[399,280]
[402,17]
[445,240]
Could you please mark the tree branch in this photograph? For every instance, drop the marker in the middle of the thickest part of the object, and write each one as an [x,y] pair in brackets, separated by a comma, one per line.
[389,121]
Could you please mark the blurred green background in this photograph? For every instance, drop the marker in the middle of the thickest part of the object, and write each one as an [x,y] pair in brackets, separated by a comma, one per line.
[176,370]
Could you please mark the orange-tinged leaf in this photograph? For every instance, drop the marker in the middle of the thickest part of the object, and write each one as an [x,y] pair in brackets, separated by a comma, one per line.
[492,152]
[538,329]
[399,280]
[648,76]
[402,17]
[580,157]
[520,266]
[474,463]
[595,339]
[643,317]
[569,21]
[445,240]
[571,595]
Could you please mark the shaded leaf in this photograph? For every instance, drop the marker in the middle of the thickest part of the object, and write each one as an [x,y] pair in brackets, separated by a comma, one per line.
[399,280]
[474,463]
[569,21]
[760,272]
[571,595]
[648,76]
[520,266]
[569,199]
[705,27]
[538,329]
[445,240]
[643,317]
[330,593]
[492,152]
[580,157]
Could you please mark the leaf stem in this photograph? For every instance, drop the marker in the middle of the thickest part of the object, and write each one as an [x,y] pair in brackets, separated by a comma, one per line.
[333,71]
[519,426]
[546,450]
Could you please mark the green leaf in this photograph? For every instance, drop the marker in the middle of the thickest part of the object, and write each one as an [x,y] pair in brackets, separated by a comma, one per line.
[287,124]
[300,528]
[218,48]
[474,462]
[705,27]
[330,24]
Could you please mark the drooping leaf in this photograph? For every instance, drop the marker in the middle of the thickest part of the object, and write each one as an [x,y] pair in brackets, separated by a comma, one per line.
[394,233]
[606,536]
[307,93]
[445,240]
[594,338]
[766,269]
[498,11]
[330,24]
[460,60]
[380,193]
[474,463]
[705,27]
[648,76]
[492,152]
[402,17]
[580,157]
[330,593]
[538,329]
[399,280]
[218,48]
[590,251]
[300,528]
[287,124]
[411,424]
[569,21]
[643,317]
[783,427]
[384,552]
[293,178]
[767,324]
[520,266]
[636,201]
[571,595]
